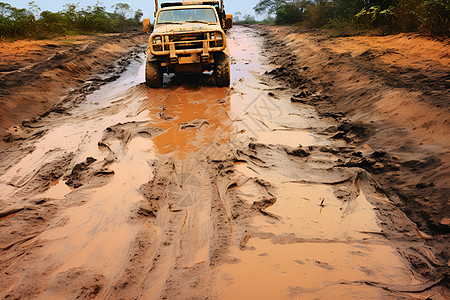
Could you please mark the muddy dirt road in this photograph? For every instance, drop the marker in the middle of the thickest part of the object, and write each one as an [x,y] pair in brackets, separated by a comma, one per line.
[198,192]
[37,75]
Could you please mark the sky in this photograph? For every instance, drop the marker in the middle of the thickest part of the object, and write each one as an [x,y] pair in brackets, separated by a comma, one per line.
[147,6]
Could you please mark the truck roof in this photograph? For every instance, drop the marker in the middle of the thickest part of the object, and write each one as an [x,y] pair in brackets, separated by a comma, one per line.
[186,6]
[189,2]
[204,2]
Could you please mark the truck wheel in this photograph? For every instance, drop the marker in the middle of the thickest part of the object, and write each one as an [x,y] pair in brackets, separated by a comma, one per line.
[222,70]
[153,74]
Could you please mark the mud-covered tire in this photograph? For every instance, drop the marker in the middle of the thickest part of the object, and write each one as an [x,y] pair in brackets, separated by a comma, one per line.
[222,70]
[153,74]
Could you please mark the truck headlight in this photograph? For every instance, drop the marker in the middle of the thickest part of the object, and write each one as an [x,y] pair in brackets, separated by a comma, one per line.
[215,36]
[157,39]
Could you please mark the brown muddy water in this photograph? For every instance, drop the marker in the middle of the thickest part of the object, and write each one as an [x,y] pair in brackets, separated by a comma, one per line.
[318,233]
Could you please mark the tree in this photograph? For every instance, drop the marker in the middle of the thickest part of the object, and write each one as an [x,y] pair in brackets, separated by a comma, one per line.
[288,13]
[33,8]
[237,16]
[249,19]
[269,6]
[122,9]
[70,12]
[5,10]
[138,15]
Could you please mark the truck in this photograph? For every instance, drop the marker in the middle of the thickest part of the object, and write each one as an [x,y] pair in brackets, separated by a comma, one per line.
[188,37]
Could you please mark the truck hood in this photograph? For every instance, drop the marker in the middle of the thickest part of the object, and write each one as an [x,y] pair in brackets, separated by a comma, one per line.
[186,27]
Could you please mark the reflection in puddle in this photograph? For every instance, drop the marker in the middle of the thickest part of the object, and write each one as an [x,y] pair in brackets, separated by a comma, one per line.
[57,190]
[113,91]
[192,118]
[264,118]
[50,147]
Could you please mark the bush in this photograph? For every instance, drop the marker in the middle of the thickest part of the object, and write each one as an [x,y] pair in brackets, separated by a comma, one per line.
[436,19]
[428,16]
[288,13]
[375,17]
[319,14]
[16,23]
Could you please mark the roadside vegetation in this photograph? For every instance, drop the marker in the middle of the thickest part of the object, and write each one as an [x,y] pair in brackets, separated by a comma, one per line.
[247,19]
[73,19]
[386,16]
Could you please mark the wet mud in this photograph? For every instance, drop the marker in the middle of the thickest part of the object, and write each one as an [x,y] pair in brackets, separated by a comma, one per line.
[398,122]
[195,192]
[36,76]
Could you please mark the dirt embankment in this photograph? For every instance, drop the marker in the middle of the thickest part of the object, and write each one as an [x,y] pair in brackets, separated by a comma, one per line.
[391,95]
[36,75]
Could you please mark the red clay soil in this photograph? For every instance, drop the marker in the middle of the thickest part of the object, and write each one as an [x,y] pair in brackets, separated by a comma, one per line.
[392,97]
[37,74]
[160,193]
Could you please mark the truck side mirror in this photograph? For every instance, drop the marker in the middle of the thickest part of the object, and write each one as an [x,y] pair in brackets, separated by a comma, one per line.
[147,25]
[228,22]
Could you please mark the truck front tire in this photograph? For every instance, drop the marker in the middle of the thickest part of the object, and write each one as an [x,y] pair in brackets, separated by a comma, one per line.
[222,70]
[153,74]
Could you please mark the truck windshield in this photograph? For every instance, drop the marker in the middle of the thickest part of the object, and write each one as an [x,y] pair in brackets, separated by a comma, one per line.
[201,15]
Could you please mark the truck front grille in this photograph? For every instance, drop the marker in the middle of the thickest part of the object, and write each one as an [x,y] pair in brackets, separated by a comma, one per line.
[187,37]
[189,43]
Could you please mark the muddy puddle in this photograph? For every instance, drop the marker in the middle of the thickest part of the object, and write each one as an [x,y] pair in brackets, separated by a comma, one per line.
[113,139]
[312,271]
[96,233]
[146,206]
[322,238]
[191,118]
[314,245]
[58,189]
[261,108]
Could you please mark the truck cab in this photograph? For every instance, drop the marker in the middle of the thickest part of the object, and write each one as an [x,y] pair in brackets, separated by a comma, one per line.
[188,37]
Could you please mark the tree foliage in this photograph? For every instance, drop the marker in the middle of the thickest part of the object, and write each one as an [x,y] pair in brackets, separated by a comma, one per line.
[20,22]
[268,6]
[247,19]
[288,13]
[429,16]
